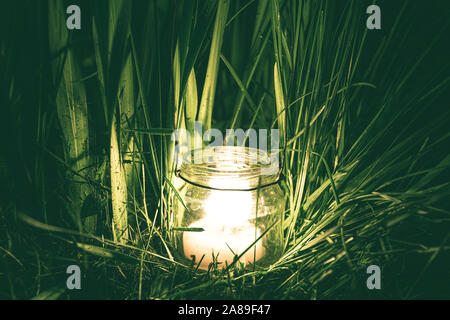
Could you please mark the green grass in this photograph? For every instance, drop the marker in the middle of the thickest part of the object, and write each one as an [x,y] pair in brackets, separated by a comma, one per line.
[86,162]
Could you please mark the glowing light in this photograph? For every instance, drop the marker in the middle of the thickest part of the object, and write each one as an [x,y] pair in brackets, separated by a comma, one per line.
[227,230]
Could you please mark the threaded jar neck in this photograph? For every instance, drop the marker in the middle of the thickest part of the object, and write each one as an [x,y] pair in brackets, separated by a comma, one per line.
[230,168]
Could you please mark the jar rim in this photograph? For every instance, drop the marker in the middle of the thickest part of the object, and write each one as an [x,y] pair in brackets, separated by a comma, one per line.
[230,168]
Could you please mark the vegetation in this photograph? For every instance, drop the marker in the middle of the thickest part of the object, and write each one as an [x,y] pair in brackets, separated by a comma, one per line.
[86,163]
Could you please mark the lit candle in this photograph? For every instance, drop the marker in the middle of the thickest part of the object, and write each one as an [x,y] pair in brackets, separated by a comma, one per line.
[227,231]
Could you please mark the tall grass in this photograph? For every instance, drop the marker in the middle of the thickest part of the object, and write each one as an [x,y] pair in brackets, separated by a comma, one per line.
[363,132]
[72,113]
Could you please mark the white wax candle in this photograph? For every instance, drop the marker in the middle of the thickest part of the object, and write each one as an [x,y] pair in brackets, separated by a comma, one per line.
[218,239]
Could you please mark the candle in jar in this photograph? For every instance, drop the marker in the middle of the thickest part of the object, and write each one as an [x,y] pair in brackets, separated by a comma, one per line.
[228,231]
[222,243]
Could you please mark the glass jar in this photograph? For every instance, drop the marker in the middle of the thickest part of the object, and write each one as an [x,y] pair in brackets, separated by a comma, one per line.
[232,208]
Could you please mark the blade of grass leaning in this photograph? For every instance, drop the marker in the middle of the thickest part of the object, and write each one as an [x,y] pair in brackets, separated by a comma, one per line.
[123,170]
[209,87]
[191,102]
[72,112]
[279,100]
[115,74]
[118,189]
[128,145]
